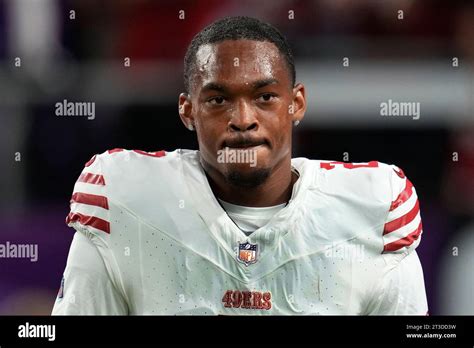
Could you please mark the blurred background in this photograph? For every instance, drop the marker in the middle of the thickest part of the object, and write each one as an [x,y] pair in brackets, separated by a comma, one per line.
[79,50]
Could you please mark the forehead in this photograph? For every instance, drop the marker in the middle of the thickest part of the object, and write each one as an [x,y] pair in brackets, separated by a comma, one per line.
[236,62]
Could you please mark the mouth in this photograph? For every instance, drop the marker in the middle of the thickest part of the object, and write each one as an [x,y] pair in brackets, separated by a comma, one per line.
[243,143]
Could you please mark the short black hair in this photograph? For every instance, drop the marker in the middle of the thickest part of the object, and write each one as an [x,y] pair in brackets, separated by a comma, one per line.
[235,28]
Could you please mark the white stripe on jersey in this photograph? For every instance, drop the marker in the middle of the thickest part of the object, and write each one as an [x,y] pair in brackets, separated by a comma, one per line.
[404,208]
[90,210]
[89,188]
[406,227]
[403,231]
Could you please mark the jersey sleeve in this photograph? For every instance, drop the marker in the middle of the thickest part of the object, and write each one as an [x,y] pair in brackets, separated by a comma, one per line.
[91,277]
[89,204]
[401,291]
[403,228]
[86,288]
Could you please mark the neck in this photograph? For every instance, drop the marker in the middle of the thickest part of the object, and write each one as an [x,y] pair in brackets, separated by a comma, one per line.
[275,190]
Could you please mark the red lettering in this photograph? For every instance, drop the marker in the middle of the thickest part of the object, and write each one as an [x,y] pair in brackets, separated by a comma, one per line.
[267,303]
[115,150]
[91,161]
[237,299]
[257,300]
[246,301]
[152,154]
[227,299]
[332,165]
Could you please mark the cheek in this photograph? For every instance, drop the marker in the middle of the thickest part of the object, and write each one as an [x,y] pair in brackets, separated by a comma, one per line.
[208,130]
[208,119]
[284,139]
[281,126]
[206,137]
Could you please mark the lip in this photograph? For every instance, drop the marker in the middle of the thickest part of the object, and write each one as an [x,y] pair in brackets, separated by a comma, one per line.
[244,143]
[245,147]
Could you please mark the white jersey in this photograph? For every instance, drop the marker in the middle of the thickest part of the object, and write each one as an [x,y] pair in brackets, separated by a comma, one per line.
[153,239]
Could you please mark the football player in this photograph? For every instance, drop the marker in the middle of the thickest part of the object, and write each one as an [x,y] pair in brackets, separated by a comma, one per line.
[239,227]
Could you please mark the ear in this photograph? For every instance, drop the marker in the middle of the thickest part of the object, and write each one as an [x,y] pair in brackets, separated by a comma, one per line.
[299,102]
[185,111]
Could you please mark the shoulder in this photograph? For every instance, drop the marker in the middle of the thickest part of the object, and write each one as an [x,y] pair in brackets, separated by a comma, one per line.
[121,178]
[122,158]
[122,165]
[364,179]
[375,191]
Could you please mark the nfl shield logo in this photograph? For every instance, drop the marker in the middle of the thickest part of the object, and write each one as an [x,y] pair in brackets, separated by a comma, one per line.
[247,253]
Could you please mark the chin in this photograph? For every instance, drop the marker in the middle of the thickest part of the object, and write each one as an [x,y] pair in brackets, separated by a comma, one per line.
[247,177]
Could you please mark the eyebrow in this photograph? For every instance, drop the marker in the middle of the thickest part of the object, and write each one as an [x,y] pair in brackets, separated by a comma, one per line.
[263,83]
[212,86]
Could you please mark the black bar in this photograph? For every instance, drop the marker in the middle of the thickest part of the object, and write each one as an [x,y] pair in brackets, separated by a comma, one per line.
[136,330]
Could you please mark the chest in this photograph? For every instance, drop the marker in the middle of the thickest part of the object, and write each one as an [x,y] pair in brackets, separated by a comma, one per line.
[177,279]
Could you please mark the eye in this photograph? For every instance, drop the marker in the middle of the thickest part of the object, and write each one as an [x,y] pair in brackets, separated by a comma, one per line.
[219,100]
[266,97]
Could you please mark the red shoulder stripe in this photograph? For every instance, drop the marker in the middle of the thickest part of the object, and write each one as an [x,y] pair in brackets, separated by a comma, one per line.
[94,179]
[403,242]
[89,221]
[403,196]
[402,220]
[90,199]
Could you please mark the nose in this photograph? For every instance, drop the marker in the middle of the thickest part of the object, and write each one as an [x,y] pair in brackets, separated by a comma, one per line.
[243,118]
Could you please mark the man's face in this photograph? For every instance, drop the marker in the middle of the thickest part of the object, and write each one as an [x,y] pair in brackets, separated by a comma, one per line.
[242,102]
